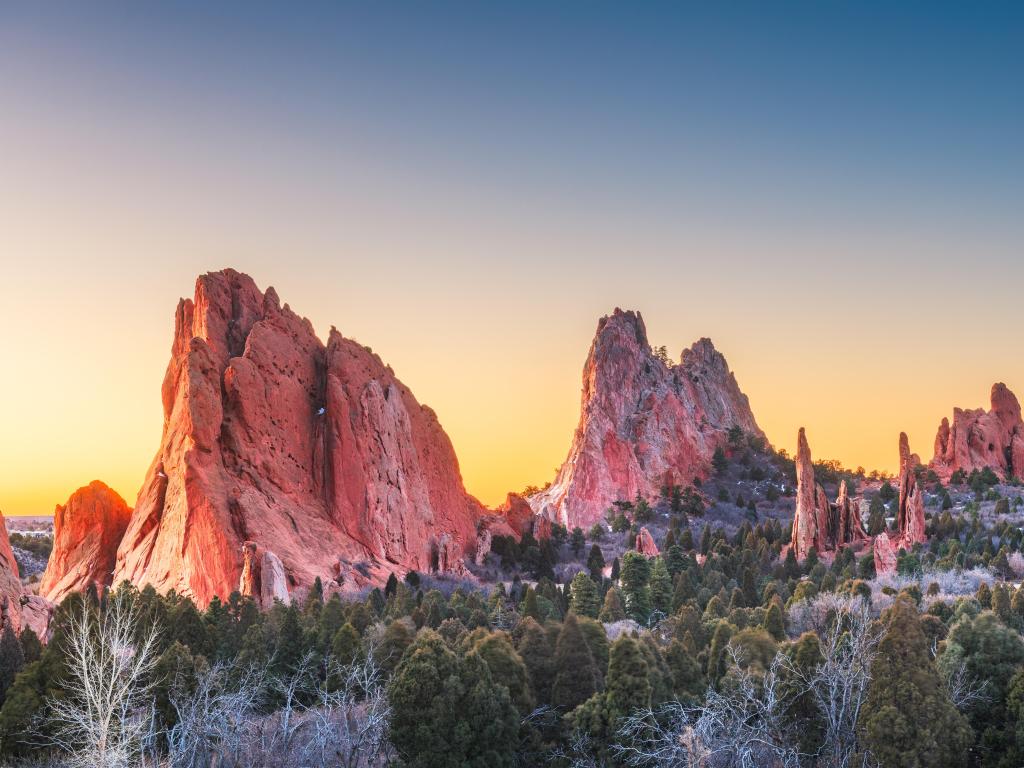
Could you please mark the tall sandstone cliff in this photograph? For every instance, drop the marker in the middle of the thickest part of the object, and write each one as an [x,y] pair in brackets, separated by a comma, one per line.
[86,533]
[643,422]
[977,438]
[284,459]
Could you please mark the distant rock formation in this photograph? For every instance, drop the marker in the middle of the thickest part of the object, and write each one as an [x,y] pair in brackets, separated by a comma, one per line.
[910,517]
[977,439]
[643,423]
[86,534]
[817,523]
[645,543]
[18,607]
[278,451]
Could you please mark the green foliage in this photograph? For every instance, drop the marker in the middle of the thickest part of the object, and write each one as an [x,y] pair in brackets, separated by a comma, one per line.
[575,671]
[908,719]
[584,597]
[636,573]
[430,685]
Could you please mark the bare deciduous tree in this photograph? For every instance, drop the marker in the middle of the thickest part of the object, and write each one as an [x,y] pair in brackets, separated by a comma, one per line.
[741,726]
[348,726]
[103,717]
[838,685]
[215,720]
[964,690]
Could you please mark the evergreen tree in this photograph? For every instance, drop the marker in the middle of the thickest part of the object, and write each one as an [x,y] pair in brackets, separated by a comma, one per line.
[612,610]
[595,563]
[661,587]
[397,636]
[507,668]
[12,659]
[447,712]
[529,606]
[628,687]
[688,683]
[907,719]
[584,597]
[539,657]
[636,573]
[575,672]
[346,645]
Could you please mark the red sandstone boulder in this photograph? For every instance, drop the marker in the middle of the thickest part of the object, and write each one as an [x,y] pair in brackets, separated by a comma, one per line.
[977,439]
[86,534]
[314,453]
[518,513]
[643,421]
[910,511]
[885,554]
[645,543]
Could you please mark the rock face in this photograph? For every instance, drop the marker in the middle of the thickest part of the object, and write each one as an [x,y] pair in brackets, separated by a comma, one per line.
[313,456]
[817,523]
[10,581]
[910,519]
[19,608]
[977,439]
[645,543]
[910,515]
[86,533]
[643,422]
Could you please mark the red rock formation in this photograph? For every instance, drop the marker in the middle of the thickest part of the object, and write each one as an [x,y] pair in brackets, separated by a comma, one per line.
[315,453]
[885,554]
[10,581]
[642,421]
[518,513]
[805,535]
[977,439]
[817,523]
[910,511]
[645,543]
[86,533]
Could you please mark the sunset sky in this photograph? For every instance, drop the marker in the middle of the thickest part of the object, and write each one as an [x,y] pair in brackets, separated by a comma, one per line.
[834,195]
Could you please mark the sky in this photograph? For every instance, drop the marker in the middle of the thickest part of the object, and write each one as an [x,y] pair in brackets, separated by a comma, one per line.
[833,192]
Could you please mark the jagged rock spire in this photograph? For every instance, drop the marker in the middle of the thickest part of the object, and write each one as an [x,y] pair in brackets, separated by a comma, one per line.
[644,422]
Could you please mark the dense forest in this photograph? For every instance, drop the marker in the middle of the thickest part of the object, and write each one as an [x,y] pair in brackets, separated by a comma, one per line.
[721,651]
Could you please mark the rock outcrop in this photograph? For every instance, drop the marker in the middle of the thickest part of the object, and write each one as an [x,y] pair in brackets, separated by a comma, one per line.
[817,523]
[10,581]
[644,422]
[18,607]
[645,543]
[977,439]
[910,517]
[313,453]
[86,533]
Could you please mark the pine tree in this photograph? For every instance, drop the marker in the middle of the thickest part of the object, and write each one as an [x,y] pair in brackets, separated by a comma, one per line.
[447,711]
[575,672]
[636,573]
[539,657]
[908,720]
[595,563]
[397,636]
[584,596]
[688,683]
[507,668]
[12,659]
[530,607]
[612,610]
[628,687]
[661,587]
[346,645]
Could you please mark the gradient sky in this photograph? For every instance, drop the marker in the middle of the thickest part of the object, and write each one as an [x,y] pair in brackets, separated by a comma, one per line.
[833,192]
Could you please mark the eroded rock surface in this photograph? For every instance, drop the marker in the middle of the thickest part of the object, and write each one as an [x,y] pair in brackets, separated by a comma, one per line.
[87,530]
[315,453]
[976,438]
[644,422]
